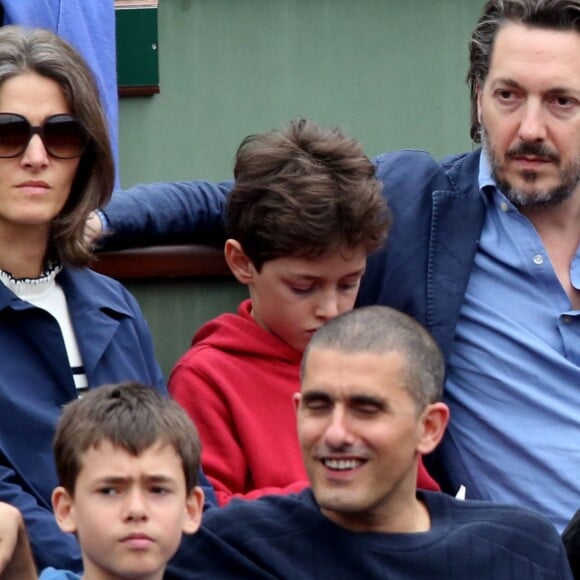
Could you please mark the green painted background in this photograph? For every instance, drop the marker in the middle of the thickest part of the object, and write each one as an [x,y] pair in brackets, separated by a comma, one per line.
[391,72]
[137,39]
[175,309]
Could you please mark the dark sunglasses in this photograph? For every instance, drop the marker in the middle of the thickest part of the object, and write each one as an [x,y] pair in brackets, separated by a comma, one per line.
[63,136]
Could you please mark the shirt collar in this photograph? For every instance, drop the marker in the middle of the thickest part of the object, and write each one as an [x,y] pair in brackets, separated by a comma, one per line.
[488,188]
[485,178]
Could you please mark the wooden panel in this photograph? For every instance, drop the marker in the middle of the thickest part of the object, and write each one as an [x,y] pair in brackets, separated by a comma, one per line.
[162,262]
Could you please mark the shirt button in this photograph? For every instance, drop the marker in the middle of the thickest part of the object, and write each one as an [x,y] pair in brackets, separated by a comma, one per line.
[566,319]
[538,259]
[504,206]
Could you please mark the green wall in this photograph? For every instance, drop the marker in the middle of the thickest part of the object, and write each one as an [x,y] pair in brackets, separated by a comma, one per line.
[175,309]
[391,72]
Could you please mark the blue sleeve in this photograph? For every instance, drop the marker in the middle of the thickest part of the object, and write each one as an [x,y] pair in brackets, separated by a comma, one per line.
[50,546]
[164,213]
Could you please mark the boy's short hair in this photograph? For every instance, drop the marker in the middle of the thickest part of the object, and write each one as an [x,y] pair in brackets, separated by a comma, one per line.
[304,191]
[129,415]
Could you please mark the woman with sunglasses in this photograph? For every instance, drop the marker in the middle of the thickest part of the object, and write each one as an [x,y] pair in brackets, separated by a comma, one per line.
[63,328]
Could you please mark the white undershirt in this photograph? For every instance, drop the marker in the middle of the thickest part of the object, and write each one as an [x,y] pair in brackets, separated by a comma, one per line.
[44,292]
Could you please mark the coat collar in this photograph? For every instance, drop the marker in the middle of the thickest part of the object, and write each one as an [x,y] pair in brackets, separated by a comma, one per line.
[97,306]
[457,218]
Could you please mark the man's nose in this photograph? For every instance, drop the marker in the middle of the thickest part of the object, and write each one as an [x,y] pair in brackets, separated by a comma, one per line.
[338,434]
[532,125]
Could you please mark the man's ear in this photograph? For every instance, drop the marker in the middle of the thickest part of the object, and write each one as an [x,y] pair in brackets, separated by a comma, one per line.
[193,510]
[240,265]
[296,398]
[433,421]
[64,510]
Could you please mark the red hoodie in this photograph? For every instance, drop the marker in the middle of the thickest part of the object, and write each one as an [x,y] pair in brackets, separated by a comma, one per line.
[236,382]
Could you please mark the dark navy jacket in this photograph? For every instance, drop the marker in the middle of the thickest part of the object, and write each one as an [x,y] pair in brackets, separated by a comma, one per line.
[438,216]
[36,381]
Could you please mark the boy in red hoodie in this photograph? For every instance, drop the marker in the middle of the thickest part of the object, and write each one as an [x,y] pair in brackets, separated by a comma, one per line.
[305,212]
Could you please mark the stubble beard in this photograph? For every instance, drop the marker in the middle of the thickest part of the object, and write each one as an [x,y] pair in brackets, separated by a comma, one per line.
[569,176]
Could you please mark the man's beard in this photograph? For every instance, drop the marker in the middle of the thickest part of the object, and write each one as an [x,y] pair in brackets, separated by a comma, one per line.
[569,176]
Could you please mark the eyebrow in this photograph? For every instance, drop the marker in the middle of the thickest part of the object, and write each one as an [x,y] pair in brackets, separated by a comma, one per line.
[515,85]
[562,91]
[368,400]
[157,478]
[507,82]
[314,395]
[358,272]
[352,400]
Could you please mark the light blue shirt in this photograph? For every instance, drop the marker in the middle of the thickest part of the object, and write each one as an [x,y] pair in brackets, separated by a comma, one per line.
[54,574]
[513,379]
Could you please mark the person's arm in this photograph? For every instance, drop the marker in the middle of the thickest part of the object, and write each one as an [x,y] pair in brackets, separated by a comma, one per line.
[163,213]
[15,555]
[50,546]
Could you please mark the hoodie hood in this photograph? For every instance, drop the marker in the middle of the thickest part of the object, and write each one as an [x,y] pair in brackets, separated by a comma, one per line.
[240,335]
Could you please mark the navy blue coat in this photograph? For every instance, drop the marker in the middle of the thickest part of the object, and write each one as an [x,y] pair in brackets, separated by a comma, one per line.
[438,216]
[36,381]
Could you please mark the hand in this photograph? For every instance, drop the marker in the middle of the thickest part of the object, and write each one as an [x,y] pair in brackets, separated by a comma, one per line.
[16,562]
[93,229]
